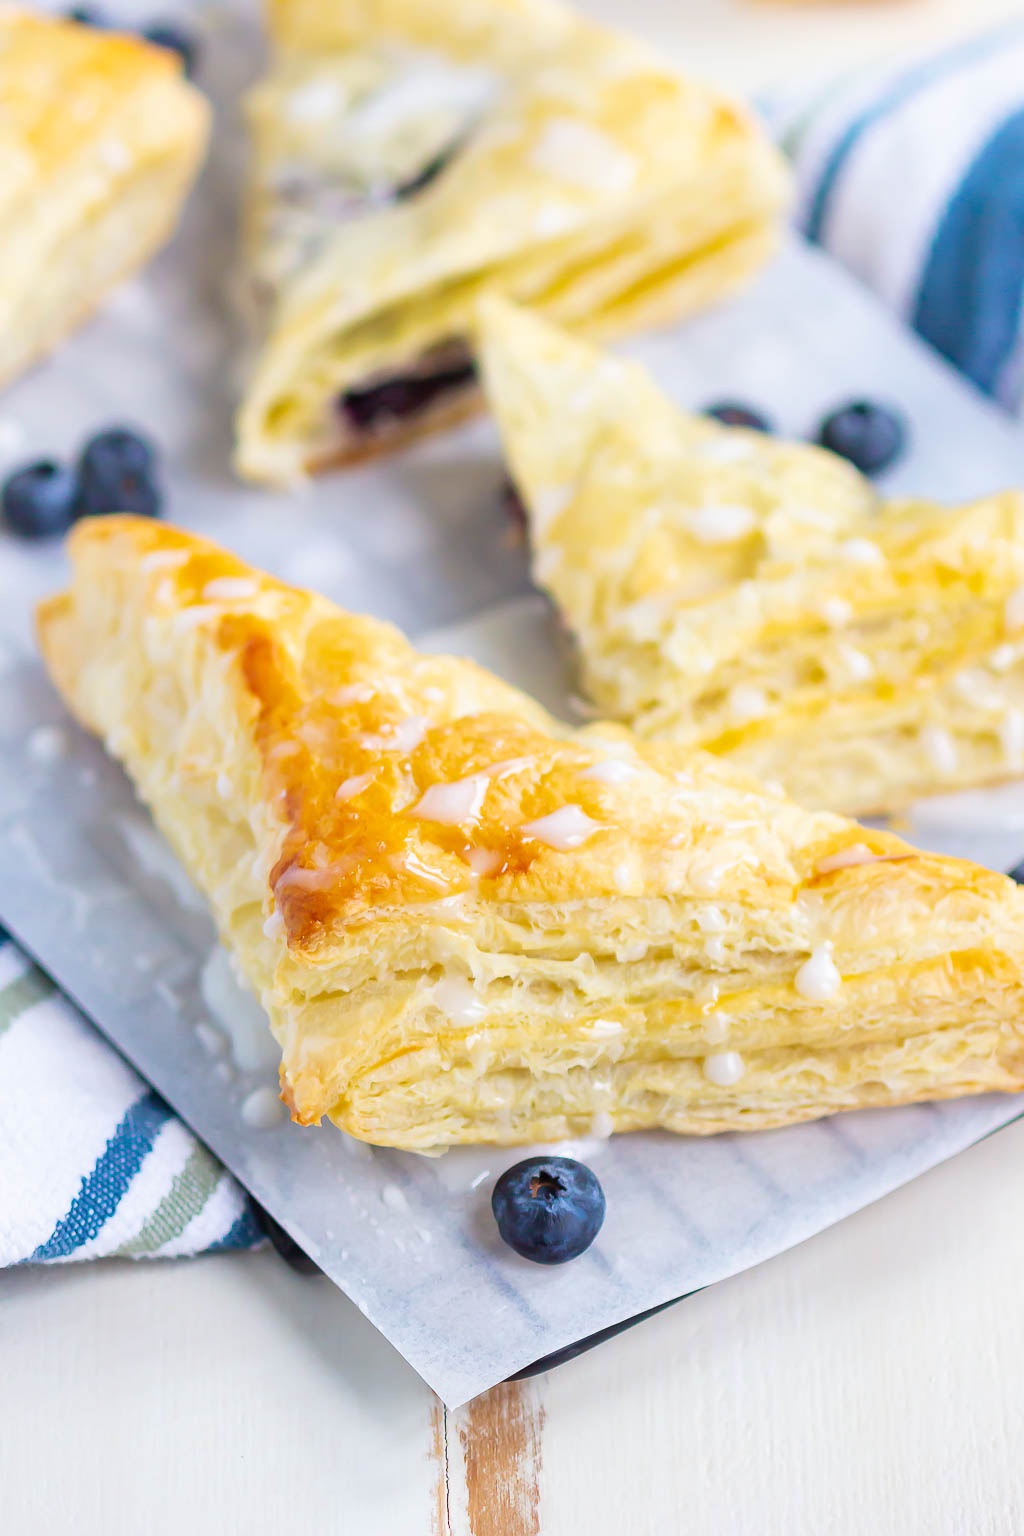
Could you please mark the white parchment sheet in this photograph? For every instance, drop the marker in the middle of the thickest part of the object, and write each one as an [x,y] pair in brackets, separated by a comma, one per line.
[86,886]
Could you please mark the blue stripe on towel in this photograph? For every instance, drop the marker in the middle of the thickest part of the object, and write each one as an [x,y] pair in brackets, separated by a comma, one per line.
[103,1188]
[969,305]
[245,1233]
[901,90]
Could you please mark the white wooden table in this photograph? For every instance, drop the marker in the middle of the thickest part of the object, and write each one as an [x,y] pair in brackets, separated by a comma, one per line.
[868,1381]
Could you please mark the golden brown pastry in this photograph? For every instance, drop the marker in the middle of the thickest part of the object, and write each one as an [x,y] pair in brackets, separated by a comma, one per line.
[100,138]
[409,157]
[468,923]
[755,597]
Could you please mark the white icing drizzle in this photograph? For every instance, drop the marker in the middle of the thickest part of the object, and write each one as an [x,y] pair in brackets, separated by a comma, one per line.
[716,1025]
[611,770]
[1013,610]
[115,155]
[1011,734]
[860,552]
[1003,658]
[191,618]
[322,879]
[273,927]
[403,737]
[939,748]
[553,219]
[163,559]
[349,788]
[563,829]
[721,524]
[711,919]
[745,701]
[229,589]
[707,870]
[352,693]
[973,685]
[724,1068]
[605,1029]
[458,1000]
[817,979]
[394,1199]
[858,666]
[601,1125]
[313,101]
[46,744]
[431,84]
[408,863]
[262,1109]
[622,877]
[483,861]
[409,733]
[714,950]
[583,156]
[505,766]
[846,858]
[453,804]
[836,612]
[728,447]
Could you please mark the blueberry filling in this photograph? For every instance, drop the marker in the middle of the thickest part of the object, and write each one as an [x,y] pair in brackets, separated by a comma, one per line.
[428,173]
[732,414]
[404,395]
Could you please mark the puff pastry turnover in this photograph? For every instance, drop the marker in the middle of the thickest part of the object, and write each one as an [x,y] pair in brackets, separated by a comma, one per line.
[409,156]
[755,597]
[100,138]
[468,923]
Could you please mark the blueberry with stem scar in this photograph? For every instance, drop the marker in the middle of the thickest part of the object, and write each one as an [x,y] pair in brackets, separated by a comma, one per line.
[549,1209]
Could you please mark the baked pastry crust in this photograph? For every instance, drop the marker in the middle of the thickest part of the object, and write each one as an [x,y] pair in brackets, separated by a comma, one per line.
[757,598]
[100,138]
[409,157]
[470,924]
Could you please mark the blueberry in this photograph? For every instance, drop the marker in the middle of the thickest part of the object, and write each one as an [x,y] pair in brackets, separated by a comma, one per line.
[117,473]
[732,414]
[168,34]
[549,1209]
[1017,873]
[871,436]
[39,500]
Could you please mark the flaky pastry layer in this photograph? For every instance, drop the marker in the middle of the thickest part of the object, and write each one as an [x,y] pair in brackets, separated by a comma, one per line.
[407,160]
[468,923]
[100,139]
[757,598]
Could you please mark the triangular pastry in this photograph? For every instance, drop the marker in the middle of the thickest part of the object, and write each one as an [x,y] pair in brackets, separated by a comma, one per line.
[408,157]
[755,597]
[468,923]
[100,138]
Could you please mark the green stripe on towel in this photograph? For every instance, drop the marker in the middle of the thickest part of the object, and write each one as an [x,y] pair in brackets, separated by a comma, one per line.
[187,1196]
[21,994]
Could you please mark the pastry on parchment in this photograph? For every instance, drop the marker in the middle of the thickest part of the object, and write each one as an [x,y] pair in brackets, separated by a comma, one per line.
[409,156]
[757,598]
[469,923]
[100,139]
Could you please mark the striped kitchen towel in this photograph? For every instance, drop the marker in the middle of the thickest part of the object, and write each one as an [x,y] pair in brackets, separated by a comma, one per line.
[913,176]
[92,1162]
